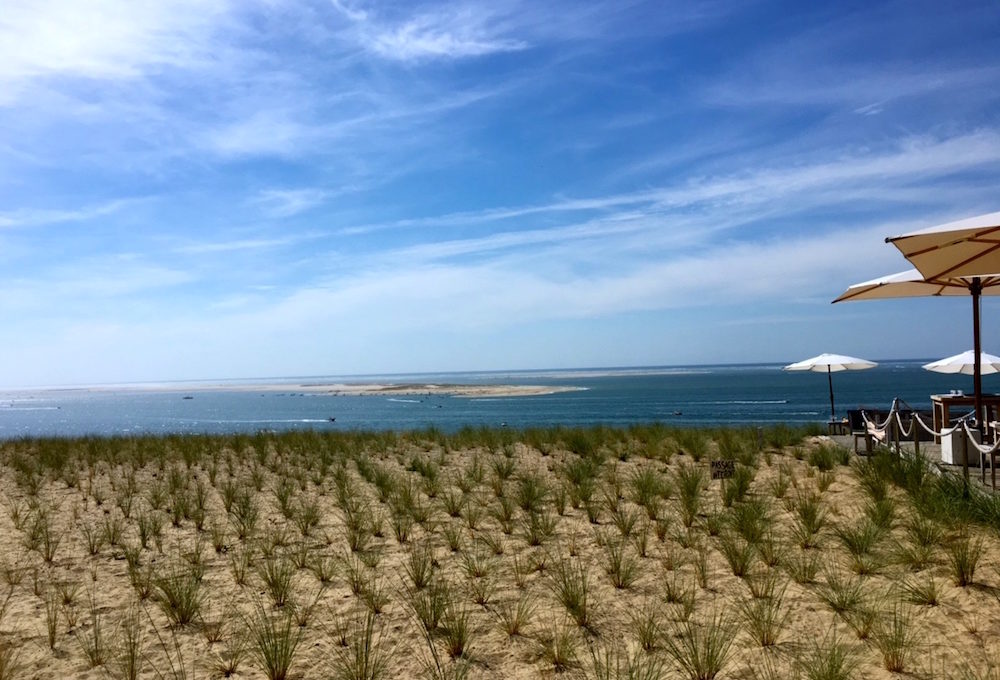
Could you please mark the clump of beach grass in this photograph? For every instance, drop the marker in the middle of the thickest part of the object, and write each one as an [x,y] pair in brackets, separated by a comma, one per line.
[841,595]
[896,638]
[571,585]
[829,659]
[561,646]
[964,554]
[179,595]
[689,481]
[620,565]
[764,618]
[274,639]
[615,662]
[810,518]
[516,616]
[647,626]
[701,650]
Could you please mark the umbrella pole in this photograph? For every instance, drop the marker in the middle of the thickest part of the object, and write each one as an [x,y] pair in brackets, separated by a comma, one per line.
[977,370]
[829,378]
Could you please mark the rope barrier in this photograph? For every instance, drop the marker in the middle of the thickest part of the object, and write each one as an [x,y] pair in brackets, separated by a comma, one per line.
[879,429]
[903,431]
[879,432]
[885,423]
[983,450]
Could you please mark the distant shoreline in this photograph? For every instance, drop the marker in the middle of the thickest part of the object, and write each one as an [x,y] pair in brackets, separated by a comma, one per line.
[416,389]
[455,380]
[337,389]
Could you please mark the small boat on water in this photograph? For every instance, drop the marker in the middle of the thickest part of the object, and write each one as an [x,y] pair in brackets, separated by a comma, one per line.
[332,419]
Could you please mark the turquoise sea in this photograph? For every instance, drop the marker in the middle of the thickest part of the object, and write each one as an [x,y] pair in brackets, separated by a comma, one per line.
[738,395]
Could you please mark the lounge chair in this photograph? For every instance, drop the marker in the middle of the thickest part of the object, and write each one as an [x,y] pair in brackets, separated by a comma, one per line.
[860,429]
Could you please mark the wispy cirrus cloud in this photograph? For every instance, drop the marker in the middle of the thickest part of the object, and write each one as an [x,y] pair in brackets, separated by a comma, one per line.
[837,60]
[370,125]
[71,288]
[729,200]
[276,132]
[443,31]
[869,91]
[422,295]
[34,217]
[245,244]
[281,203]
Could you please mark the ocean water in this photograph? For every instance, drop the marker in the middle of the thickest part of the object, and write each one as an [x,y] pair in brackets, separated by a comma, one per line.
[737,395]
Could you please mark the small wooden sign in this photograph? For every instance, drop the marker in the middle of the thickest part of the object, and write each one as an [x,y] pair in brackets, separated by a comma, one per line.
[723,469]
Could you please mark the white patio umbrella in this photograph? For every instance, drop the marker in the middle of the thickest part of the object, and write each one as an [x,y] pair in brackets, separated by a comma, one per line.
[965,363]
[969,247]
[830,364]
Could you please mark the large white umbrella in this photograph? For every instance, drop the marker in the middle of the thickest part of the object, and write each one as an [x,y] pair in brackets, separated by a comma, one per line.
[969,247]
[912,283]
[830,364]
[965,363]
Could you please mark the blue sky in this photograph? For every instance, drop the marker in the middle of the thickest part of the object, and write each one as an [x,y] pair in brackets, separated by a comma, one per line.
[215,189]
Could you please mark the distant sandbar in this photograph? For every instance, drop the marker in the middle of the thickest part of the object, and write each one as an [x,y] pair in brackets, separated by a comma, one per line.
[356,389]
[415,389]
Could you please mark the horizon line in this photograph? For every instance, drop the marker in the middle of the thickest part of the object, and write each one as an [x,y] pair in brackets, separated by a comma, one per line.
[606,370]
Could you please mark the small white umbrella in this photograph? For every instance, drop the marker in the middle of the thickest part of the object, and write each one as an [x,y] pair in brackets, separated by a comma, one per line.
[830,364]
[965,363]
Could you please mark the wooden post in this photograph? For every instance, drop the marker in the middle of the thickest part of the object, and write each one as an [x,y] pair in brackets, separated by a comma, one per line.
[982,461]
[895,424]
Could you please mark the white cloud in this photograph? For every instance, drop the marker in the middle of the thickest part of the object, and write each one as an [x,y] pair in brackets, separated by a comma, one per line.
[262,132]
[789,85]
[688,213]
[442,35]
[281,203]
[102,39]
[233,246]
[33,217]
[461,297]
[89,287]
[451,31]
[245,244]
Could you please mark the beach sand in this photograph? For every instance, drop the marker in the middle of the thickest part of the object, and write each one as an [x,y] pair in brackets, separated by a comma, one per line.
[453,487]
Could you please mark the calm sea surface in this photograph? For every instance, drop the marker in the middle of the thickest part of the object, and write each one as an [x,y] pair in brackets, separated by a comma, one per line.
[685,396]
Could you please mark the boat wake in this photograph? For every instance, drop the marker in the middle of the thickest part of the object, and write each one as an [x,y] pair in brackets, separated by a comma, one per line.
[29,408]
[254,421]
[743,402]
